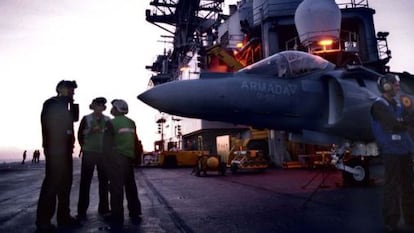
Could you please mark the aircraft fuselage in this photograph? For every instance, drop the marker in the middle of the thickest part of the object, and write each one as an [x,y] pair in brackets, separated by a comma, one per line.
[278,94]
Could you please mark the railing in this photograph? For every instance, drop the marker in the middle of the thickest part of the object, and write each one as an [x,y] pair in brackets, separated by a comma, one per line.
[353,4]
[349,41]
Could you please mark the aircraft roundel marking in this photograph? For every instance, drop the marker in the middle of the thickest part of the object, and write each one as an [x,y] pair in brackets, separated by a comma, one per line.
[406,101]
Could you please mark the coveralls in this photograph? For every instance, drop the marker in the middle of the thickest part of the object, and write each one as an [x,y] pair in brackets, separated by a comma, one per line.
[58,141]
[396,147]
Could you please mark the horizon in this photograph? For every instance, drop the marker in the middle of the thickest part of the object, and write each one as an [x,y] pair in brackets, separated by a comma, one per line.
[16,155]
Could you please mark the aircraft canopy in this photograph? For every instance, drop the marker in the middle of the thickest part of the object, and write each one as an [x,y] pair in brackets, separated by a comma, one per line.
[288,64]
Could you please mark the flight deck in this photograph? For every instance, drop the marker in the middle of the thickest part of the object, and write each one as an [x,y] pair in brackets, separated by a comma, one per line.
[175,200]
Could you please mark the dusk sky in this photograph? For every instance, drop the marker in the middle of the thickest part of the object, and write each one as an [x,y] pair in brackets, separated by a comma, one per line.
[105,45]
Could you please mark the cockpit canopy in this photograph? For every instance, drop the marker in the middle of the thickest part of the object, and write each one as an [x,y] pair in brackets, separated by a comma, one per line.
[289,64]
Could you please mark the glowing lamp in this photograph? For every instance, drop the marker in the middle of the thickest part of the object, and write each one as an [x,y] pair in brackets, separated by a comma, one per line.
[325,42]
[239,45]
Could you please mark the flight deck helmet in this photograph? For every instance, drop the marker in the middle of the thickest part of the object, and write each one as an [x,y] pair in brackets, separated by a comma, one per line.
[120,105]
[99,101]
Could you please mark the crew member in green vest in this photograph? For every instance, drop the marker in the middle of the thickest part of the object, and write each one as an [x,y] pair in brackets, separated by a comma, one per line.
[90,137]
[121,148]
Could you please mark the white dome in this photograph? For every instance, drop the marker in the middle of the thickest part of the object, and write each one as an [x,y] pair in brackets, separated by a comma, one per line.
[315,19]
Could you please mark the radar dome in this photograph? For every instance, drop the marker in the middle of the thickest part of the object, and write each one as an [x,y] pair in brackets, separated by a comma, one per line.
[317,19]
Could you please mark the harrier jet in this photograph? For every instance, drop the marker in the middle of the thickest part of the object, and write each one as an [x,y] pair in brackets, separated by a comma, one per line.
[298,92]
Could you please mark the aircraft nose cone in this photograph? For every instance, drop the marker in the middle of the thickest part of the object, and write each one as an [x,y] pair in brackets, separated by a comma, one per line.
[154,97]
[170,97]
[188,98]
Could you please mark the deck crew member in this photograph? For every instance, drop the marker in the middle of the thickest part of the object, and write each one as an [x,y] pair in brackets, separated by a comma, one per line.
[121,143]
[90,137]
[390,122]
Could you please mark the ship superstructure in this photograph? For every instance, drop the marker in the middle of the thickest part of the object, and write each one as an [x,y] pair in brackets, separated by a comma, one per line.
[344,34]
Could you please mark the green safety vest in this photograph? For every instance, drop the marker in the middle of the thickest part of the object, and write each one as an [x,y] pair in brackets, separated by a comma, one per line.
[124,137]
[93,133]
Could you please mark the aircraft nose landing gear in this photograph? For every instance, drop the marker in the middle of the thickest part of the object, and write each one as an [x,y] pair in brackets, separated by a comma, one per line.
[355,169]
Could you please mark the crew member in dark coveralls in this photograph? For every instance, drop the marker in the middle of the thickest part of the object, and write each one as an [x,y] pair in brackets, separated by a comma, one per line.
[121,146]
[57,117]
[90,137]
[390,122]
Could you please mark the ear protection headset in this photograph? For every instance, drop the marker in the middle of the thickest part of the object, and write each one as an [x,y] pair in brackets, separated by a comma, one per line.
[92,106]
[385,82]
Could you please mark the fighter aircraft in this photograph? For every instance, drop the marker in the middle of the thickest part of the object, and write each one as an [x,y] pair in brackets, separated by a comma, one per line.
[301,93]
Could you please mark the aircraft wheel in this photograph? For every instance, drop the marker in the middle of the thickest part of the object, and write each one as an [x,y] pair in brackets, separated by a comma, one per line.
[147,160]
[170,161]
[356,179]
[222,168]
[197,170]
[234,168]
